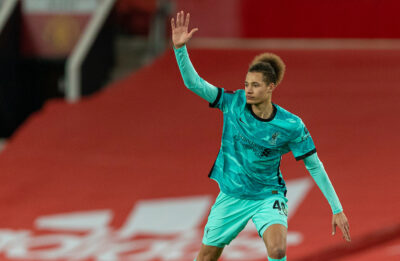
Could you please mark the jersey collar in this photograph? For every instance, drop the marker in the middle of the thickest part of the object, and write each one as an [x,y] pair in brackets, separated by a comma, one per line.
[259,118]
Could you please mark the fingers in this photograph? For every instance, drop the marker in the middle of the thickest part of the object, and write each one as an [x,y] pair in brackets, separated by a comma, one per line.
[346,232]
[192,32]
[172,24]
[181,16]
[187,20]
[333,229]
[341,221]
[344,227]
[181,20]
[177,19]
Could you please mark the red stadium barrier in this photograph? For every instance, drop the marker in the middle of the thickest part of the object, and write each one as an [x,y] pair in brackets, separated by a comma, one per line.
[292,18]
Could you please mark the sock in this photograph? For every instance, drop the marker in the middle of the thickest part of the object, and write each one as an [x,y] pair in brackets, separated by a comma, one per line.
[282,259]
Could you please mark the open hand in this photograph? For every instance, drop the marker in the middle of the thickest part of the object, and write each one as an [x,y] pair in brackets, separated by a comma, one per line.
[180,35]
[341,221]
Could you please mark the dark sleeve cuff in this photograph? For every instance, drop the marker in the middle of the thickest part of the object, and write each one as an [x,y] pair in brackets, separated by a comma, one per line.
[306,155]
[214,104]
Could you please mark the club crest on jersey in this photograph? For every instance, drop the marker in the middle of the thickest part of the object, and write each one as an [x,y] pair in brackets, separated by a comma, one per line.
[273,139]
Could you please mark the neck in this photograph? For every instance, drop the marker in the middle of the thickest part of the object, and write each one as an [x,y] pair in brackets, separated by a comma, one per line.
[263,110]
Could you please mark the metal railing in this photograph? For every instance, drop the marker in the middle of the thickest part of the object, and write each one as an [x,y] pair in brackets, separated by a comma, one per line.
[81,50]
[6,10]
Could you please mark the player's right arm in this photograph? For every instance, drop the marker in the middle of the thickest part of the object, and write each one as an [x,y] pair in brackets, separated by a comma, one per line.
[180,36]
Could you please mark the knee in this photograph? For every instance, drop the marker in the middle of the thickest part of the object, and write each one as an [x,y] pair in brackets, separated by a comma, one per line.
[277,252]
[209,253]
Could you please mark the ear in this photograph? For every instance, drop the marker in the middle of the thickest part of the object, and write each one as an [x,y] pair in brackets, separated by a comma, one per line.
[271,87]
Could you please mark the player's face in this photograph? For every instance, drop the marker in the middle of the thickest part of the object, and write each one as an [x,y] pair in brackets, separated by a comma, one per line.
[257,91]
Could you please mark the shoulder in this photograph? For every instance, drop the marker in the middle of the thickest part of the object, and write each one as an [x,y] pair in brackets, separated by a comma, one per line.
[288,116]
[288,120]
[226,100]
[239,92]
[237,96]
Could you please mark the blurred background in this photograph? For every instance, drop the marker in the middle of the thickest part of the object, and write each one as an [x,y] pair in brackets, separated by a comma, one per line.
[104,154]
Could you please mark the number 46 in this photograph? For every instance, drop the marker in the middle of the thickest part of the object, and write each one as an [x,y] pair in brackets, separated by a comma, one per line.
[280,206]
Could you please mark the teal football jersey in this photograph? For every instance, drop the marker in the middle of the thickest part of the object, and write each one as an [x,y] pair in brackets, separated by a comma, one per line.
[248,162]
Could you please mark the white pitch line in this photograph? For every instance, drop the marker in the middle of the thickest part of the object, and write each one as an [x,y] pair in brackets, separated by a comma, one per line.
[394,250]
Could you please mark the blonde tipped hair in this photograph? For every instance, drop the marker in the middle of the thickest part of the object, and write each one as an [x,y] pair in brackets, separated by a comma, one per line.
[264,63]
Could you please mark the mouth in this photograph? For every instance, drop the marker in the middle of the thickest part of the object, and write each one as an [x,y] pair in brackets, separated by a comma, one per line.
[249,97]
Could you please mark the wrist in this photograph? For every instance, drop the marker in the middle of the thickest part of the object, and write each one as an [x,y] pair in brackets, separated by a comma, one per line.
[178,46]
[338,212]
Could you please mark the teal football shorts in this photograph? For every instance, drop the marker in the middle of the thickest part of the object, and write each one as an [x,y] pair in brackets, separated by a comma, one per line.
[229,216]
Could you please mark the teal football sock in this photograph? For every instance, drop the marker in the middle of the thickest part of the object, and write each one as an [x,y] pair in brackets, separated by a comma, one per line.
[282,259]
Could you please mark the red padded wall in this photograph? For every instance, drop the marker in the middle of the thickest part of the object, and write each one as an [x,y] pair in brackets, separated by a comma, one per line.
[291,18]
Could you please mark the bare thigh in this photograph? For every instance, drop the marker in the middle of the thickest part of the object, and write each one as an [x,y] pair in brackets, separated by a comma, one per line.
[275,241]
[209,253]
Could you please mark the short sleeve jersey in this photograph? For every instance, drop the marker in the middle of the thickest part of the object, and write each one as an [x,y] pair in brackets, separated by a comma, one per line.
[248,162]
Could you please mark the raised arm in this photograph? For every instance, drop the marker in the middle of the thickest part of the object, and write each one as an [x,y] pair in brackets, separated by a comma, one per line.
[180,36]
[317,171]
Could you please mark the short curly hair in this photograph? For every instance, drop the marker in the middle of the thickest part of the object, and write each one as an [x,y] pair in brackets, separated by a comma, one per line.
[270,65]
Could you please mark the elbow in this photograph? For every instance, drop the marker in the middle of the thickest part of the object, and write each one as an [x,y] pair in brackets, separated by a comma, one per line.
[315,169]
[191,83]
[314,165]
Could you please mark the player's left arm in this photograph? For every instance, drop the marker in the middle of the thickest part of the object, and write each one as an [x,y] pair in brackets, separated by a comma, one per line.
[317,171]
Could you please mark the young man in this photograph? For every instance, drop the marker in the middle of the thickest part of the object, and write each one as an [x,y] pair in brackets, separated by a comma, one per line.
[256,134]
